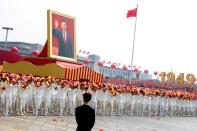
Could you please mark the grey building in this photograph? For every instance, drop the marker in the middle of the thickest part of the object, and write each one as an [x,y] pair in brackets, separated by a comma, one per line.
[24,48]
[109,72]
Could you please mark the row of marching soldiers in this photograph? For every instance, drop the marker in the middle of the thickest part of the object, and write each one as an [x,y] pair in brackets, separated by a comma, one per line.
[20,94]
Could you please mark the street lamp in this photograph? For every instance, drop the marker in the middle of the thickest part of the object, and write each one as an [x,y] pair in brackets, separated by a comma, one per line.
[7,29]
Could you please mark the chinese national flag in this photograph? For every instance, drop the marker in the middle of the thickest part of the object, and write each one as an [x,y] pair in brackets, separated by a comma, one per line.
[132,13]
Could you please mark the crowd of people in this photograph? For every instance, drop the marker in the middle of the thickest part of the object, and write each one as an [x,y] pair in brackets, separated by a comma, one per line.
[21,94]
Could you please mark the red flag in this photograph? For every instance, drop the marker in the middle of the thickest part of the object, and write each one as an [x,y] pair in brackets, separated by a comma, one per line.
[132,13]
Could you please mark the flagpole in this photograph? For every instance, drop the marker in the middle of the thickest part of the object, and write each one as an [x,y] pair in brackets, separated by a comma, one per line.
[132,57]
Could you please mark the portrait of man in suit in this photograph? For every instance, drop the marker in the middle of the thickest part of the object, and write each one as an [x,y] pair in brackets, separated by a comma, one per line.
[61,36]
[65,45]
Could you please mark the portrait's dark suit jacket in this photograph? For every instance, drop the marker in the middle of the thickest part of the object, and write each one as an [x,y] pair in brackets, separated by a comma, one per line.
[65,49]
[85,117]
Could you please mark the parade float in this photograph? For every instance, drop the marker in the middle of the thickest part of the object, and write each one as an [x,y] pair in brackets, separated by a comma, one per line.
[58,57]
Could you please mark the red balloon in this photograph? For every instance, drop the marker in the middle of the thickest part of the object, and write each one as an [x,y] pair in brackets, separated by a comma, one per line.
[136,70]
[155,73]
[100,63]
[14,50]
[35,53]
[125,67]
[113,66]
[146,71]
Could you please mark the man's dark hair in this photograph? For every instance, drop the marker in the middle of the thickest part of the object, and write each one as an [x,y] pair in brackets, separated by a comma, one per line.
[87,97]
[63,20]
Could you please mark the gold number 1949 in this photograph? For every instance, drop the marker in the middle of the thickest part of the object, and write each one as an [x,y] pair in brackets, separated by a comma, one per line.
[170,78]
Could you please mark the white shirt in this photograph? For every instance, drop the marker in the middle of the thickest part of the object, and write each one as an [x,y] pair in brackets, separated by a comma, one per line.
[79,94]
[94,96]
[99,94]
[14,90]
[64,35]
[21,92]
[48,92]
[131,99]
[9,91]
[38,92]
[72,94]
[61,93]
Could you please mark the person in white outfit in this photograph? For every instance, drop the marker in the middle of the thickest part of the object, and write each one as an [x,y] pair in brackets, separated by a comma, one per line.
[99,101]
[22,95]
[188,109]
[108,102]
[103,101]
[138,104]
[93,102]
[121,101]
[144,99]
[161,105]
[145,104]
[9,92]
[3,96]
[132,103]
[38,94]
[193,106]
[184,105]
[171,106]
[112,101]
[14,95]
[180,103]
[166,105]
[156,104]
[47,97]
[79,95]
[61,98]
[30,95]
[53,96]
[72,94]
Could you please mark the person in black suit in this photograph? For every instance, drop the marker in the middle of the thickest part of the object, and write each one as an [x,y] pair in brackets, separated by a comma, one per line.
[85,115]
[65,45]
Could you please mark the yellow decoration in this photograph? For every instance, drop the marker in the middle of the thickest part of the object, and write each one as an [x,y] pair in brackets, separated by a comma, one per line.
[162,75]
[27,68]
[170,77]
[180,79]
[191,79]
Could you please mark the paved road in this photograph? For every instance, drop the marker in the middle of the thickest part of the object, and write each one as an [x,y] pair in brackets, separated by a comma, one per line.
[63,123]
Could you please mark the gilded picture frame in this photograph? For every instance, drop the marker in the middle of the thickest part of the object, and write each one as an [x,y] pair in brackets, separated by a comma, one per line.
[61,36]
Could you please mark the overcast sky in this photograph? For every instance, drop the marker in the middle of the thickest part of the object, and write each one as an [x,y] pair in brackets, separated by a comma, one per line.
[166,34]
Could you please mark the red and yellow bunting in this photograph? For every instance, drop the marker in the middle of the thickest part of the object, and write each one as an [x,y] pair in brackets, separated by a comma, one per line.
[84,73]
